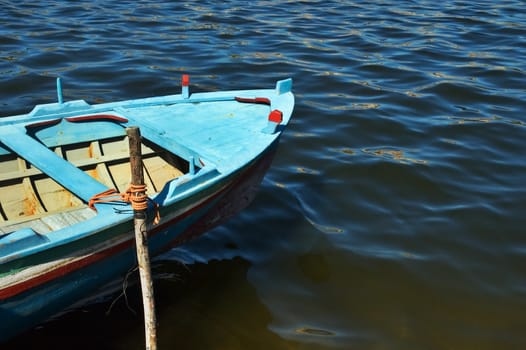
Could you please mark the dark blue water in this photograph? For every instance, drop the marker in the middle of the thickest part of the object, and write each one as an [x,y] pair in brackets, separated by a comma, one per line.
[394,216]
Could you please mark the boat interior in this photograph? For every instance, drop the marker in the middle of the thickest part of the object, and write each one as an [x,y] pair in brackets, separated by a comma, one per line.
[29,198]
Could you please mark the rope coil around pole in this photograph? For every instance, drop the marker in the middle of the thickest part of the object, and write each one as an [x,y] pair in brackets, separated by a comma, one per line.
[137,197]
[134,194]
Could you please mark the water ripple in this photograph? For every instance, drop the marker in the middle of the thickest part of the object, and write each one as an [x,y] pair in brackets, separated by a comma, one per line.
[393,214]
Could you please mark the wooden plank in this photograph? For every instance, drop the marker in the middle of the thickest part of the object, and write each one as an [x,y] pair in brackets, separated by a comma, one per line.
[53,196]
[44,222]
[50,163]
[159,172]
[11,170]
[19,200]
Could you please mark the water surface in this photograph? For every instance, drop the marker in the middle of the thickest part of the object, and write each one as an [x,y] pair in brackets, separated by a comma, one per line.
[394,214]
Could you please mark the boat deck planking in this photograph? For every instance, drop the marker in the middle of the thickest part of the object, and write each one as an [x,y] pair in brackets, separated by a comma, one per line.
[29,198]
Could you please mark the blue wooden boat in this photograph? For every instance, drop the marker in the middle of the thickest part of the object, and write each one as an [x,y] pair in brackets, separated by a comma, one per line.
[65,229]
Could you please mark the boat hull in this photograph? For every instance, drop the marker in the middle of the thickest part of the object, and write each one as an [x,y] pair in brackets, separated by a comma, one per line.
[81,278]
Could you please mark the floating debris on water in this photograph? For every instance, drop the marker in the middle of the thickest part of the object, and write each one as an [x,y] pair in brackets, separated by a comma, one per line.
[314,331]
[397,155]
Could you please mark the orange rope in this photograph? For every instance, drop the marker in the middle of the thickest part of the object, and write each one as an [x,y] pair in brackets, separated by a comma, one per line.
[134,194]
[107,196]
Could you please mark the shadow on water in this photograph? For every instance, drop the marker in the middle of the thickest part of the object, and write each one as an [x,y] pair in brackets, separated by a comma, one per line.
[200,306]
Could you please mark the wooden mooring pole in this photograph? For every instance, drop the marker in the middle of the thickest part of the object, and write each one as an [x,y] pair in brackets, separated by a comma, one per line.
[140,205]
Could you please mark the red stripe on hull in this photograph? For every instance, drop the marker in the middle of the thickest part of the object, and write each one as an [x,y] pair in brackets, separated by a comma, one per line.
[61,271]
